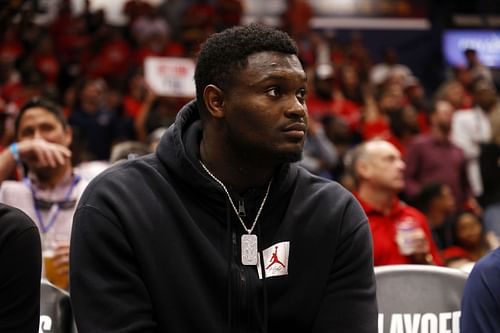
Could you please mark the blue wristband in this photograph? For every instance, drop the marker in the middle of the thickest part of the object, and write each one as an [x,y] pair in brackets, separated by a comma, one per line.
[15,152]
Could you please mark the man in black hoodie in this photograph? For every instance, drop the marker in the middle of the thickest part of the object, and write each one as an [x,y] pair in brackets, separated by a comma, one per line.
[218,231]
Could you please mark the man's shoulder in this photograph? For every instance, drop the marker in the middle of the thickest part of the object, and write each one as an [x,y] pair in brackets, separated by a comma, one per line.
[463,115]
[13,221]
[14,187]
[308,182]
[489,264]
[129,175]
[325,195]
[421,140]
[408,210]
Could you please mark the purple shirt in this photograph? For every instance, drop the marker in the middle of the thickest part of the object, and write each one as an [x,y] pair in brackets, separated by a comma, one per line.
[429,160]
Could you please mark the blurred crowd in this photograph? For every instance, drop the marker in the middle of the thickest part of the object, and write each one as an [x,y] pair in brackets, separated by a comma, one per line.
[449,139]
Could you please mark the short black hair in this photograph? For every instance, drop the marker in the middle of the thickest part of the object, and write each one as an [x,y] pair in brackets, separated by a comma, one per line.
[470,51]
[429,192]
[225,53]
[44,103]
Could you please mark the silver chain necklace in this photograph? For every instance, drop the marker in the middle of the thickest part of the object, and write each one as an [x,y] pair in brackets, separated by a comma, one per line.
[249,248]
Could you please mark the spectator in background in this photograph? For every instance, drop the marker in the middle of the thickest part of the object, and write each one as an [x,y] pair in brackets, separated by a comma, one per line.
[198,22]
[463,75]
[111,55]
[432,157]
[489,163]
[296,17]
[154,137]
[148,25]
[389,69]
[46,62]
[472,127]
[134,94]
[128,150]
[96,125]
[173,11]
[400,233]
[417,99]
[21,263]
[480,301]
[338,132]
[389,104]
[477,69]
[229,13]
[436,201]
[351,86]
[156,111]
[453,92]
[134,9]
[11,47]
[470,242]
[319,154]
[49,192]
[404,127]
[325,100]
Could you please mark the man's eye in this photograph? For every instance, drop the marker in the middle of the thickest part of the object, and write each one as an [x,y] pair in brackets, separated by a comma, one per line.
[273,92]
[26,133]
[302,93]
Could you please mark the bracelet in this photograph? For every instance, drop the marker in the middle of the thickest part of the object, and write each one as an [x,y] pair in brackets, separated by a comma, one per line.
[15,152]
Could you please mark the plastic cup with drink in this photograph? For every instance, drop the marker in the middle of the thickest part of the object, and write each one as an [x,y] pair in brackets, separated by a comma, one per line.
[55,259]
[412,241]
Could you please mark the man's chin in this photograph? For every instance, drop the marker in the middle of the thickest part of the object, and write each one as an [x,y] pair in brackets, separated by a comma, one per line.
[290,157]
[42,171]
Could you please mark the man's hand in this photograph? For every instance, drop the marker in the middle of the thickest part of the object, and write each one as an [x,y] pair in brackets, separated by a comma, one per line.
[61,258]
[41,153]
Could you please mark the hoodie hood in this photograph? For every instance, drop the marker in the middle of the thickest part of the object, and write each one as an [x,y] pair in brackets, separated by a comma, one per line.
[179,149]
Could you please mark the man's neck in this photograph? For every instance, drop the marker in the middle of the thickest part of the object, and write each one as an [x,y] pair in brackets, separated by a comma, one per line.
[439,135]
[378,199]
[436,218]
[234,171]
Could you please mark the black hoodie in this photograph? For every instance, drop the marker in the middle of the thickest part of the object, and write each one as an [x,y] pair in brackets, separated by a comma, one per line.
[155,248]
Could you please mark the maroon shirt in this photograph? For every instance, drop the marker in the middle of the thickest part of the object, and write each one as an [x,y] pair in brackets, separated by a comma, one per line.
[429,160]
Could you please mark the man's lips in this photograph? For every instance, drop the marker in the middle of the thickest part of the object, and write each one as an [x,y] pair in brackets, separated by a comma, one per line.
[299,127]
[297,131]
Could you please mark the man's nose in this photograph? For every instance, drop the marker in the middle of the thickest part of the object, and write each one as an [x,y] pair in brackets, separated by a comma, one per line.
[37,134]
[401,164]
[297,108]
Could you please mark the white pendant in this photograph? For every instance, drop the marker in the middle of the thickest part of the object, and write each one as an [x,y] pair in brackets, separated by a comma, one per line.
[249,250]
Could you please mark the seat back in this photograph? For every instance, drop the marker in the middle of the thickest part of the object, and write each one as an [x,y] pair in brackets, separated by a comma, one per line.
[419,298]
[56,315]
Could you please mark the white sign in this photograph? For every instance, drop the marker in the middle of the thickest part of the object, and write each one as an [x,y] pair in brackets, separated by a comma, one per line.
[169,76]
[443,322]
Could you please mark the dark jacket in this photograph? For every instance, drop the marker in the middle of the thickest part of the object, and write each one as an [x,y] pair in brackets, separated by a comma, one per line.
[155,248]
[20,271]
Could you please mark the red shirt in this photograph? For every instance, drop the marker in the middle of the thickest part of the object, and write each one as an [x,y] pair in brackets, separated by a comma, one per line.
[383,227]
[48,65]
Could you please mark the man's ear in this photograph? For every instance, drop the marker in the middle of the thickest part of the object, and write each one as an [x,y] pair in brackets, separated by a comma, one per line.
[214,101]
[362,169]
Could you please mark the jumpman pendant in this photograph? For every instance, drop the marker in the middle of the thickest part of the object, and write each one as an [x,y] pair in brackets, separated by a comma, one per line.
[249,250]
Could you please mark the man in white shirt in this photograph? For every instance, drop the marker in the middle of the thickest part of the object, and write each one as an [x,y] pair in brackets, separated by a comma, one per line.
[471,127]
[49,192]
